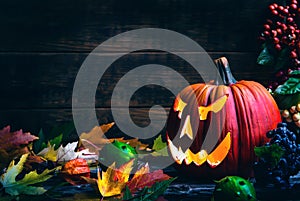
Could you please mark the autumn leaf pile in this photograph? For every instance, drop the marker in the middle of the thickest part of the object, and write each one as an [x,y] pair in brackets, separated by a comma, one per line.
[28,161]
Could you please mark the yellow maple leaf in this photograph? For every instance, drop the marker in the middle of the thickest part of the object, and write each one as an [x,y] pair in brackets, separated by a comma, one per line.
[49,153]
[113,181]
[23,186]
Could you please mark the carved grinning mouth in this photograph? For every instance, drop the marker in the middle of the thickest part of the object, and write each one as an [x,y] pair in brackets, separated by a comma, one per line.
[213,159]
[217,155]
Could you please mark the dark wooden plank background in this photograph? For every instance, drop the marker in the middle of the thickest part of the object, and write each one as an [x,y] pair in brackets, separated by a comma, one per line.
[43,44]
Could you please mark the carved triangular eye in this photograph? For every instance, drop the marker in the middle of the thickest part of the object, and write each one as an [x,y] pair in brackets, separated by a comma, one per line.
[179,105]
[187,128]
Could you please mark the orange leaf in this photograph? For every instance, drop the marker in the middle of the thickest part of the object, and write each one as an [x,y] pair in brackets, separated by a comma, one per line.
[144,178]
[74,170]
[122,174]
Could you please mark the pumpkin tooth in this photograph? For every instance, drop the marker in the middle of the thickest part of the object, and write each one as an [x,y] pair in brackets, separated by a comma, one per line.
[198,158]
[177,154]
[188,156]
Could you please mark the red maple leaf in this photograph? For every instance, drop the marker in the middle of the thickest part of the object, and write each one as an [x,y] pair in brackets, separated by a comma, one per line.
[13,145]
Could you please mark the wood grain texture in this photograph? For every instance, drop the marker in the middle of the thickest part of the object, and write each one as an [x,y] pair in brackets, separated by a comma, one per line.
[32,120]
[81,25]
[43,44]
[46,80]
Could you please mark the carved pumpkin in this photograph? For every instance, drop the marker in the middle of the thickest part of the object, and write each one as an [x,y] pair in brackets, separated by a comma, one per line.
[241,112]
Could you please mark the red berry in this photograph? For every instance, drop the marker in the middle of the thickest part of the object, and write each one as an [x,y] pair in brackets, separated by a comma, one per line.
[278,47]
[276,40]
[294,2]
[266,33]
[292,36]
[278,23]
[284,27]
[279,74]
[280,7]
[271,7]
[292,28]
[285,11]
[267,27]
[274,33]
[275,5]
[294,6]
[290,19]
[279,31]
[293,54]
[274,12]
[284,39]
[269,21]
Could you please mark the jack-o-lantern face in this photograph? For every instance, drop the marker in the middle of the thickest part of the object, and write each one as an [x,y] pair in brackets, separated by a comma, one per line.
[217,155]
[240,113]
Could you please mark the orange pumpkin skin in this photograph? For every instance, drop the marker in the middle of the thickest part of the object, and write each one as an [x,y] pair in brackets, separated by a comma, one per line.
[250,111]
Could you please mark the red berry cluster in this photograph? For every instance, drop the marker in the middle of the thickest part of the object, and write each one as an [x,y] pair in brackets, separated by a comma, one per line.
[282,32]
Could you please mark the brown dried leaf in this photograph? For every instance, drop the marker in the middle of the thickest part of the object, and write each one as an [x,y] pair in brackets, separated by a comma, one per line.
[94,139]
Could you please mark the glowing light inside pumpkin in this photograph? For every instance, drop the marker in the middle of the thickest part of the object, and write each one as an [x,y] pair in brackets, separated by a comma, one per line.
[220,153]
[187,128]
[179,105]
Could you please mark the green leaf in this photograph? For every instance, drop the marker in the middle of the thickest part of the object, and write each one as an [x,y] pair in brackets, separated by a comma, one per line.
[271,154]
[157,189]
[160,147]
[265,58]
[65,130]
[39,144]
[13,187]
[56,141]
[291,86]
[152,193]
[294,72]
[282,59]
[127,194]
[54,138]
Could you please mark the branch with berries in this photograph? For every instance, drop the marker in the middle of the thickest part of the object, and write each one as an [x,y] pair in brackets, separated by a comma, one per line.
[281,41]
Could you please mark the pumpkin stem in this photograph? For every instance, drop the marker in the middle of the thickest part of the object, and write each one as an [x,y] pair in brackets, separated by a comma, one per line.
[225,72]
